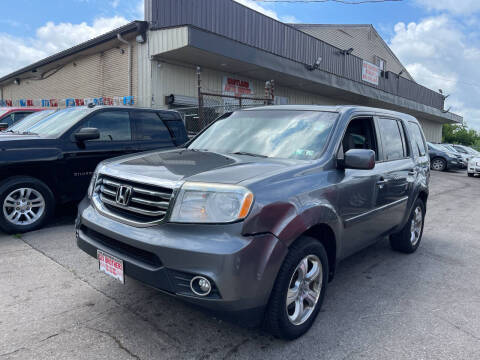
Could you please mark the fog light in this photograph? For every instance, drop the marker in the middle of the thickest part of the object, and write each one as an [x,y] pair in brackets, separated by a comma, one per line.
[200,286]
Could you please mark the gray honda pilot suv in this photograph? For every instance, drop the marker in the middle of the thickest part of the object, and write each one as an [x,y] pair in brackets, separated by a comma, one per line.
[253,215]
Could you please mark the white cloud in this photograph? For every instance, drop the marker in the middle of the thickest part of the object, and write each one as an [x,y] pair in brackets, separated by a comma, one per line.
[463,7]
[438,54]
[18,54]
[289,19]
[54,37]
[49,39]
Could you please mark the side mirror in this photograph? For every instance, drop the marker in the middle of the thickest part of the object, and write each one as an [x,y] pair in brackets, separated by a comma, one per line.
[3,126]
[85,134]
[361,159]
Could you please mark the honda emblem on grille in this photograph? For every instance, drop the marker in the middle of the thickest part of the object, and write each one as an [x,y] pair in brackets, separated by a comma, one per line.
[124,195]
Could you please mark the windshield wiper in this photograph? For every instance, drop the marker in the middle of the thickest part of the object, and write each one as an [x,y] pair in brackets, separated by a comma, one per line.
[28,133]
[248,154]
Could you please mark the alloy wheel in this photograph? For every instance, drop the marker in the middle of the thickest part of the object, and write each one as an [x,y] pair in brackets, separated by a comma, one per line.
[416,226]
[23,206]
[438,165]
[304,289]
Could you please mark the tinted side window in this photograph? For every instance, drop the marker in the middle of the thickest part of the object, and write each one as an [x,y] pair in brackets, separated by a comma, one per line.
[113,125]
[20,115]
[417,139]
[392,140]
[149,126]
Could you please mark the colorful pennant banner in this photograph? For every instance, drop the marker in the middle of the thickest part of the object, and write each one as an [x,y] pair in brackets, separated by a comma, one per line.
[69,102]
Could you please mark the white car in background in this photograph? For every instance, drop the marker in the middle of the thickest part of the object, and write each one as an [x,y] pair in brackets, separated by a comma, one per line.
[473,166]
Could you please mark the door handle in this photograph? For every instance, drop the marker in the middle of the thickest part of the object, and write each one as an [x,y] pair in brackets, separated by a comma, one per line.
[381,183]
[413,172]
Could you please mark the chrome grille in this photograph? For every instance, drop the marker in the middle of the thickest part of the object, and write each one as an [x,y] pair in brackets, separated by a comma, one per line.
[147,203]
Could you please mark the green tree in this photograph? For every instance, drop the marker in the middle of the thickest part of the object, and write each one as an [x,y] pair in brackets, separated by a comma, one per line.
[460,134]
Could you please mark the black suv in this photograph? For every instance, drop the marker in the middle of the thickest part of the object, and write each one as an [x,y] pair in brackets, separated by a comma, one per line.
[54,160]
[253,215]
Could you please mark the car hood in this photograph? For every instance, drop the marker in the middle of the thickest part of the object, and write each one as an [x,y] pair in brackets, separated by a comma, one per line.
[188,165]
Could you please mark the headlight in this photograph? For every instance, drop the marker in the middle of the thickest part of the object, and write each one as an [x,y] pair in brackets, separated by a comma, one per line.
[211,203]
[91,187]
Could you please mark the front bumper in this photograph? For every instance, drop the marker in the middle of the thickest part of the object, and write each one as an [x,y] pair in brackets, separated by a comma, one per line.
[455,164]
[242,268]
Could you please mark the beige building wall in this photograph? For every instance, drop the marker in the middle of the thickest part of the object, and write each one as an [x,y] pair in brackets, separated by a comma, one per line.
[101,74]
[178,79]
[432,130]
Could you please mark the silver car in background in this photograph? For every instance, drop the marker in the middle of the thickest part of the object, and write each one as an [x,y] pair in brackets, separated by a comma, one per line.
[474,166]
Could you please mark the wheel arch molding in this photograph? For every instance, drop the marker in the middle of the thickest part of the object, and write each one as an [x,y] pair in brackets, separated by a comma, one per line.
[288,223]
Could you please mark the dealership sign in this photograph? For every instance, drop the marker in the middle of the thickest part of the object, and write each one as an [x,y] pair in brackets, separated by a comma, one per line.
[236,87]
[370,73]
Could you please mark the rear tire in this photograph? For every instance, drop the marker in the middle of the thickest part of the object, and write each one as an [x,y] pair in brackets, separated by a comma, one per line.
[409,238]
[439,164]
[26,204]
[299,290]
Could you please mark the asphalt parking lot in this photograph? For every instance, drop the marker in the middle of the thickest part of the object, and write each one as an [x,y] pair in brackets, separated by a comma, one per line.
[382,305]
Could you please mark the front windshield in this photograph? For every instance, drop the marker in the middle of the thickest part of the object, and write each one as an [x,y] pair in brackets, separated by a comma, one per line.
[30,120]
[438,147]
[450,148]
[56,124]
[288,134]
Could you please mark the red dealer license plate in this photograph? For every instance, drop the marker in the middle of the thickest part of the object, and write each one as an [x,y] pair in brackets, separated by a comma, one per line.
[110,265]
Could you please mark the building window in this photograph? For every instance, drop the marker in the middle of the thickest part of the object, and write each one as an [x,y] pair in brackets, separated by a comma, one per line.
[381,63]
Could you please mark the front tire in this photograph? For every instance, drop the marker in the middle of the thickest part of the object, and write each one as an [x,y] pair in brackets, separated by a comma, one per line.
[439,164]
[26,204]
[470,174]
[299,290]
[409,238]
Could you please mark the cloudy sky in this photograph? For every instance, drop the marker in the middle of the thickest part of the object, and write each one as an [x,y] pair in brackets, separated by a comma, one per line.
[437,40]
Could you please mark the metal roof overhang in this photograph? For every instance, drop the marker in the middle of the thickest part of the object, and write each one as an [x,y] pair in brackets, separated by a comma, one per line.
[216,52]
